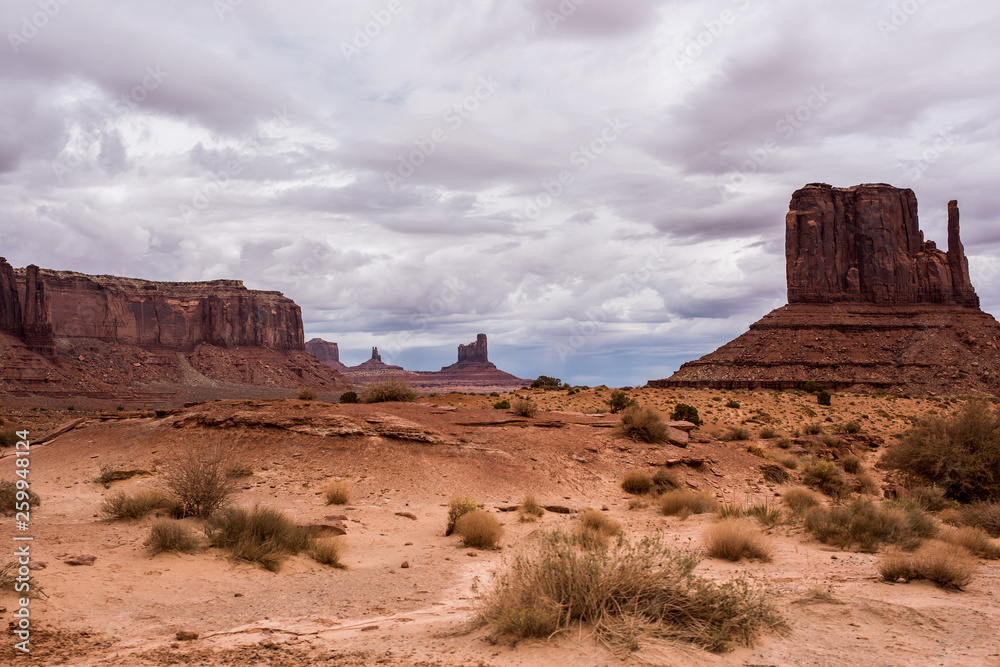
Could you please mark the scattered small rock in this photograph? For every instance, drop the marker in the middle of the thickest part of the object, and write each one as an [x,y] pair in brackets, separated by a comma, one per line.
[405,565]
[369,628]
[408,515]
[558,509]
[186,636]
[81,559]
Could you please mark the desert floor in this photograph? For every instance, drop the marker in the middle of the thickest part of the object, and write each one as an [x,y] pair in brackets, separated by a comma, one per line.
[127,607]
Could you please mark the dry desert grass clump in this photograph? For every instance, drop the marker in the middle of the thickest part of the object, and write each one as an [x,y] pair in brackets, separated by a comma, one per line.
[682,502]
[596,529]
[260,535]
[975,540]
[337,492]
[530,510]
[825,477]
[637,482]
[10,496]
[733,539]
[643,425]
[765,513]
[629,593]
[123,505]
[328,551]
[479,529]
[200,480]
[799,499]
[170,536]
[665,479]
[851,464]
[391,390]
[457,507]
[867,525]
[947,565]
[524,407]
[982,515]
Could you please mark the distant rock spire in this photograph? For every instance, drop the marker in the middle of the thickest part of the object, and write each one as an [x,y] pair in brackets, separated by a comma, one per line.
[473,352]
[375,355]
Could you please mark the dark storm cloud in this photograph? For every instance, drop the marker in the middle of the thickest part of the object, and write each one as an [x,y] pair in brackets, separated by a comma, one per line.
[414,177]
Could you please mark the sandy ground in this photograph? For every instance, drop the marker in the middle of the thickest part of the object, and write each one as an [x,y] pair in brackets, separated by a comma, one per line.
[127,607]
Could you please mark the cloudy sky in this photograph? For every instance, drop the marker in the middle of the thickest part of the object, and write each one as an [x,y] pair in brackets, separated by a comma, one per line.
[598,185]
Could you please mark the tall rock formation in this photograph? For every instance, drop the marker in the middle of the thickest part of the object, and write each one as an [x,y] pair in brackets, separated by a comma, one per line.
[473,352]
[871,304]
[327,353]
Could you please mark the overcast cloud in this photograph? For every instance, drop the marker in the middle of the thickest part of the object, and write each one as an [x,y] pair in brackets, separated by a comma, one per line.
[598,185]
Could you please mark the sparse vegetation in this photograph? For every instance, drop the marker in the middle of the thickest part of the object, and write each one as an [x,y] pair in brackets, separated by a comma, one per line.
[389,391]
[961,454]
[931,498]
[8,437]
[665,479]
[852,427]
[868,484]
[734,540]
[166,535]
[643,424]
[11,496]
[851,464]
[479,529]
[983,515]
[800,499]
[682,503]
[349,397]
[124,505]
[502,405]
[109,474]
[546,382]
[199,478]
[596,529]
[306,394]
[337,492]
[768,433]
[736,433]
[826,478]
[260,535]
[530,509]
[687,413]
[948,565]
[458,506]
[774,473]
[812,429]
[626,593]
[525,407]
[328,551]
[975,540]
[637,482]
[619,401]
[868,525]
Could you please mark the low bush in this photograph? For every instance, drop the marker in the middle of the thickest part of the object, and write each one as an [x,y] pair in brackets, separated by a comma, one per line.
[736,433]
[260,535]
[784,459]
[732,404]
[479,529]
[11,497]
[960,454]
[784,443]
[457,507]
[122,505]
[619,401]
[530,509]
[665,479]
[596,529]
[8,437]
[852,427]
[637,482]
[867,525]
[502,405]
[800,499]
[643,425]
[200,481]
[812,429]
[734,540]
[389,391]
[166,535]
[931,498]
[983,515]
[974,539]
[350,397]
[546,382]
[868,484]
[824,398]
[525,407]
[687,413]
[682,502]
[948,565]
[851,464]
[825,477]
[768,433]
[626,594]
[337,493]
[327,551]
[306,395]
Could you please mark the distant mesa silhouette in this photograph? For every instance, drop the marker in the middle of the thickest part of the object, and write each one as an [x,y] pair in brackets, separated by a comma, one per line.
[871,305]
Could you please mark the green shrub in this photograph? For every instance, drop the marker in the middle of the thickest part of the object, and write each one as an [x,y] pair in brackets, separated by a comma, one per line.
[732,404]
[687,413]
[11,496]
[306,395]
[166,535]
[960,454]
[122,505]
[626,594]
[349,397]
[825,477]
[619,401]
[524,407]
[546,382]
[458,506]
[261,535]
[389,391]
[643,424]
[479,529]
[853,427]
[824,398]
[8,437]
[502,405]
[868,525]
[637,482]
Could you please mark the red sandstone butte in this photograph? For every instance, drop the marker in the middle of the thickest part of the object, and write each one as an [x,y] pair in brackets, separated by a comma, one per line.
[64,333]
[871,305]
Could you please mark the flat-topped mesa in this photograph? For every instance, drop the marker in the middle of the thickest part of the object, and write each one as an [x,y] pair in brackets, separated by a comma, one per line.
[473,352]
[173,315]
[327,353]
[864,245]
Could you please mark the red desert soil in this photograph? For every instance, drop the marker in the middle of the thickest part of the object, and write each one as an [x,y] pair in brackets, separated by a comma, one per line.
[127,607]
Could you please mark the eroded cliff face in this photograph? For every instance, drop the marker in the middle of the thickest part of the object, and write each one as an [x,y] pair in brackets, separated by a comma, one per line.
[474,352]
[173,315]
[864,245]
